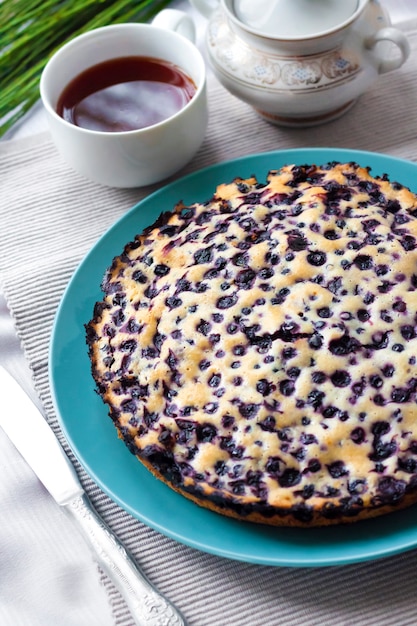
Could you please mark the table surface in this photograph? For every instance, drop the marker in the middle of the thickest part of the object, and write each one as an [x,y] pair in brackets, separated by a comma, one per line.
[14,359]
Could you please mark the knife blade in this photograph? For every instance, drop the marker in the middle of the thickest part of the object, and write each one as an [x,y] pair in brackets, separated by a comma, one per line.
[31,434]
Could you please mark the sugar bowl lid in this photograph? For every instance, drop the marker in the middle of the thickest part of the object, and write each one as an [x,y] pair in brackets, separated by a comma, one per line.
[294,18]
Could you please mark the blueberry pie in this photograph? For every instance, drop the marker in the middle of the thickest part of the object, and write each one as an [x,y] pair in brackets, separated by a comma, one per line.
[257,352]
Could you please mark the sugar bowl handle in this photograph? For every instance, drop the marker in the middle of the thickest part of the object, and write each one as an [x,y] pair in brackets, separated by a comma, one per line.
[396,37]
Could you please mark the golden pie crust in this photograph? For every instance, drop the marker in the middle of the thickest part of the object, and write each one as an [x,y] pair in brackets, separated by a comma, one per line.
[257,352]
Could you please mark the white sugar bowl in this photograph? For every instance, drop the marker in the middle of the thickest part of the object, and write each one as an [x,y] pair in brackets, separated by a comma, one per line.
[300,62]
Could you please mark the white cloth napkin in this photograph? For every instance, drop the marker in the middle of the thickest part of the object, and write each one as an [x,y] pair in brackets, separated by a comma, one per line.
[49,219]
[47,575]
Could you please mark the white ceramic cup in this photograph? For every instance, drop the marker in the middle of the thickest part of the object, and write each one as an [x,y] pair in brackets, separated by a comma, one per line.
[138,157]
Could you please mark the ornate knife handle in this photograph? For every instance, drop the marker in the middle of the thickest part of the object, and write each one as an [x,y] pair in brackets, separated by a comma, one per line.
[147,606]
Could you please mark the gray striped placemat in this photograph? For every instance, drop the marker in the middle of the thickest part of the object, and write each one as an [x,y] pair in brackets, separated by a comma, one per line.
[50,217]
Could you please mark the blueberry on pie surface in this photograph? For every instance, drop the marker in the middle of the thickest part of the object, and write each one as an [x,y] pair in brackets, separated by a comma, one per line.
[257,352]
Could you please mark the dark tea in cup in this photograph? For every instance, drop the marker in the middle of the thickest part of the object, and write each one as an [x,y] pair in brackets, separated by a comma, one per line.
[124,94]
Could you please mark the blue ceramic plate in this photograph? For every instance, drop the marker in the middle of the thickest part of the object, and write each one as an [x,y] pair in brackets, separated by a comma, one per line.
[93,438]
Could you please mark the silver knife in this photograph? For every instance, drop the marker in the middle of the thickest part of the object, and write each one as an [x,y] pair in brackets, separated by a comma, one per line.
[37,443]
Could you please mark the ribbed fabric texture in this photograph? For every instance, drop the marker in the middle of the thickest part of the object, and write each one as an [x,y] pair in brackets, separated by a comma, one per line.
[50,217]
